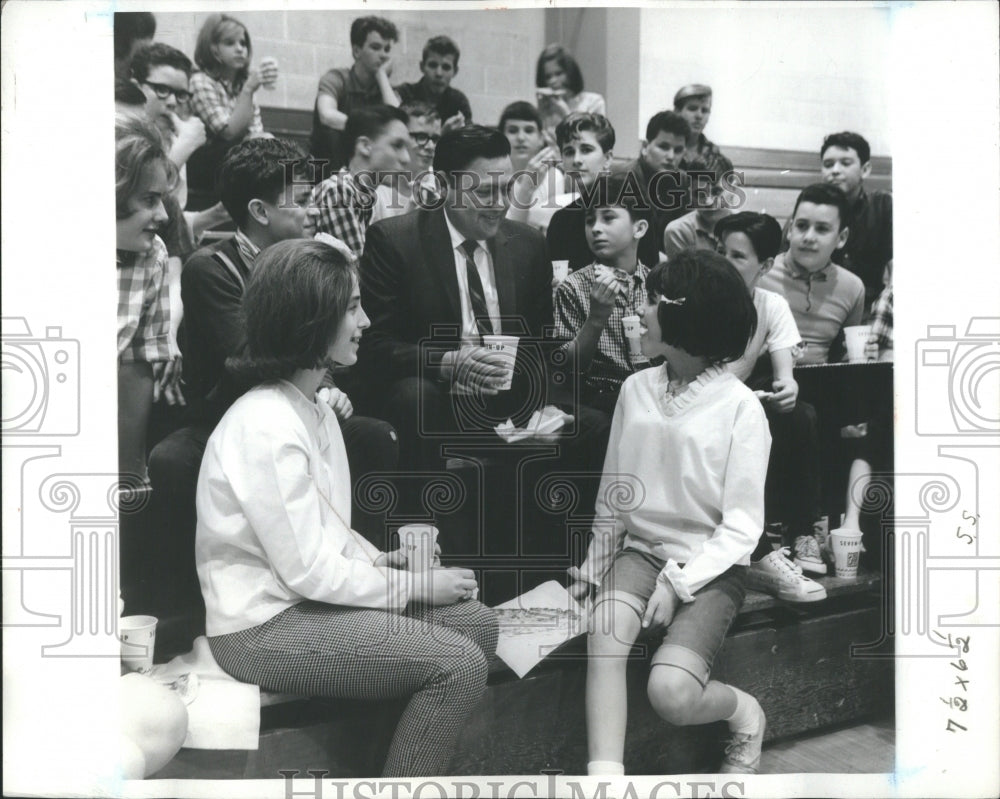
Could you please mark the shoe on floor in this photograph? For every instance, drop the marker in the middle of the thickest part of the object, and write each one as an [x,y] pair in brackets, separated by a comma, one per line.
[742,750]
[775,574]
[807,555]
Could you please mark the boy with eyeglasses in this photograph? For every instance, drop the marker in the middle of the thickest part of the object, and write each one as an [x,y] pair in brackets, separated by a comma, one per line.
[439,65]
[419,188]
[162,73]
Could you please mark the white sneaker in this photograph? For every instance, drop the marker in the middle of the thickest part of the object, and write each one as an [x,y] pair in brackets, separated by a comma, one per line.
[742,749]
[807,555]
[775,574]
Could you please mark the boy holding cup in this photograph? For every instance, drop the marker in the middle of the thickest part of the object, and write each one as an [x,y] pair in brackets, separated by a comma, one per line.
[593,305]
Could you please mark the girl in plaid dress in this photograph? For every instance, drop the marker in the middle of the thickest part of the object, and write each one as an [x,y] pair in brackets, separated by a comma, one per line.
[222,96]
[296,601]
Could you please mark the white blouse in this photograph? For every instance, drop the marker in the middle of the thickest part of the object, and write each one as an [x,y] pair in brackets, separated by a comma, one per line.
[274,511]
[683,478]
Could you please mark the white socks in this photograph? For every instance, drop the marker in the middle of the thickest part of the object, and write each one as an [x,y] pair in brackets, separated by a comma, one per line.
[746,716]
[605,768]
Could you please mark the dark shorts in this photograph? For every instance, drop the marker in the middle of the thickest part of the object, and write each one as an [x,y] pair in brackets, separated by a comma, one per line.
[698,629]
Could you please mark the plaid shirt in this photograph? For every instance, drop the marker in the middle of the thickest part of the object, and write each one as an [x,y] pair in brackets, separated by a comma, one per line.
[144,306]
[571,305]
[882,319]
[214,100]
[345,209]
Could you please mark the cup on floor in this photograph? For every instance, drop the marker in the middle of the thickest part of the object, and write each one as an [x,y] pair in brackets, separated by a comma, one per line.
[138,638]
[846,545]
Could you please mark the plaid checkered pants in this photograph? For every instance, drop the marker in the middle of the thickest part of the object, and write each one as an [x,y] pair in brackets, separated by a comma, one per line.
[437,656]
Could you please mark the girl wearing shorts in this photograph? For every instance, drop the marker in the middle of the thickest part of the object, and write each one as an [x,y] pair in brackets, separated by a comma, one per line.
[679,510]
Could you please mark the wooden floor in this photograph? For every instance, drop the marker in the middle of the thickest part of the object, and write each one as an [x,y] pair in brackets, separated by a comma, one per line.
[861,749]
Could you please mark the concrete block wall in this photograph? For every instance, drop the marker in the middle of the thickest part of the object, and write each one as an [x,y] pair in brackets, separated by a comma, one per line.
[497,66]
[782,76]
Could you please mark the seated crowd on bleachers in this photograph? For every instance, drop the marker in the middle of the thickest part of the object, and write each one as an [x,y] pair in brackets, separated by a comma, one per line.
[292,324]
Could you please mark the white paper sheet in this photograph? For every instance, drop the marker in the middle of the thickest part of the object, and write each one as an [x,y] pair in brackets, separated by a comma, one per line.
[535,623]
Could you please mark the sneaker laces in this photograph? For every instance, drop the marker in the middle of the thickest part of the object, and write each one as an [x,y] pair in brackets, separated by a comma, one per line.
[737,746]
[782,560]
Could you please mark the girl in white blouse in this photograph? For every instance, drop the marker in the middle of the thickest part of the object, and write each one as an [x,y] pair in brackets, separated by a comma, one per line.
[679,510]
[296,601]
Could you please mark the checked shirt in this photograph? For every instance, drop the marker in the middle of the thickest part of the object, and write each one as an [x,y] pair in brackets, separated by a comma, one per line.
[611,364]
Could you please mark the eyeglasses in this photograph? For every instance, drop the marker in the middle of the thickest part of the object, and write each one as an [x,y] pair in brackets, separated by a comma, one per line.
[423,139]
[163,91]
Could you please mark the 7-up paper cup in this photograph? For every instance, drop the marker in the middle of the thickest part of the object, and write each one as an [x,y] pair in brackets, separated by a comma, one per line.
[846,545]
[507,346]
[138,638]
[417,541]
[632,337]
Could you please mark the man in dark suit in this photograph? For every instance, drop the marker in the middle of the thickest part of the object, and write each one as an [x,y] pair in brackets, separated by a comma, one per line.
[433,283]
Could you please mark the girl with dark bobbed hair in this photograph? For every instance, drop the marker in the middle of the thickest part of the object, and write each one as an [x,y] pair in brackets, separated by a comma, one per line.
[296,601]
[689,441]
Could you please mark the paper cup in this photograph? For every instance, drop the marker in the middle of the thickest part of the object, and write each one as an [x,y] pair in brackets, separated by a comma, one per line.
[633,339]
[138,638]
[856,338]
[560,270]
[846,544]
[269,61]
[417,541]
[506,345]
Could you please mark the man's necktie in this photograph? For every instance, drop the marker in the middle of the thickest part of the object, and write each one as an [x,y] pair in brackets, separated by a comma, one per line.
[477,296]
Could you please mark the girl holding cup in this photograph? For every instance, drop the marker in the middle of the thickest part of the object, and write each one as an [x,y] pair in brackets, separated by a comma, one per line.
[222,94]
[296,601]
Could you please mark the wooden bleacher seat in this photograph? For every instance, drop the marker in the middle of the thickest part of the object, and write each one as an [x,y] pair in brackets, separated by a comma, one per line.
[796,659]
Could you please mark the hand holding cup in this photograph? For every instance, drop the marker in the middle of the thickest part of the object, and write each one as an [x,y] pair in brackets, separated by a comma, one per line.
[268,71]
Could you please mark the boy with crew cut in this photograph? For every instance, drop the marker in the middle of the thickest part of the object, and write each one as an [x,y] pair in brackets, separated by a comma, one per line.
[439,65]
[343,91]
[585,143]
[824,297]
[845,162]
[379,145]
[657,173]
[590,304]
[419,188]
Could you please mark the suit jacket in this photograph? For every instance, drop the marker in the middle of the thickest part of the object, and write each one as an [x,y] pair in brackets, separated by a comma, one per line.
[410,291]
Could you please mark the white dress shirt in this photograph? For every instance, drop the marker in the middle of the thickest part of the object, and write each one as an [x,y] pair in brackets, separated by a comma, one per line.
[683,478]
[484,265]
[274,511]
